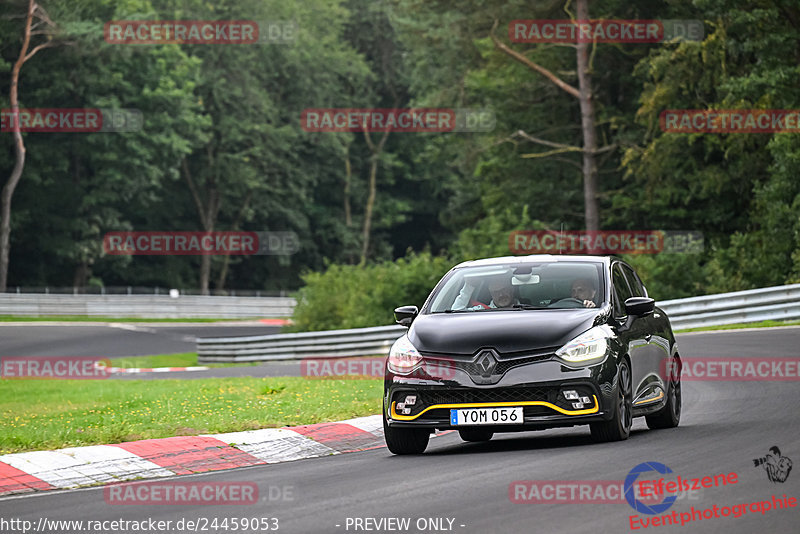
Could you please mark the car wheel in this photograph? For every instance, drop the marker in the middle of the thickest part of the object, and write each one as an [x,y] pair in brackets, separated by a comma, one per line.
[405,440]
[670,415]
[475,434]
[619,427]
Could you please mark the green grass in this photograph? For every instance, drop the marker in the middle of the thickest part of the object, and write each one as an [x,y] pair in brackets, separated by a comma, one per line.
[86,318]
[184,359]
[49,414]
[762,324]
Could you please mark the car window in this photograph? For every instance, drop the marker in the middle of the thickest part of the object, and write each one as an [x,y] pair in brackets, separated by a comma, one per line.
[637,288]
[621,290]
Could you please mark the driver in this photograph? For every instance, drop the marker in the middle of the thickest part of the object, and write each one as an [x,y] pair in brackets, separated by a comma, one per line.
[584,290]
[502,292]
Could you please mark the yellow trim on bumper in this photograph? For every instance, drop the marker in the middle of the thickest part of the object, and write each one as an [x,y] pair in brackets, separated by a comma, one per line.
[660,396]
[496,404]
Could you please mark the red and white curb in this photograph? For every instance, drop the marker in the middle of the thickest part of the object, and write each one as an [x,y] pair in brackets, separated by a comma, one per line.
[275,322]
[75,467]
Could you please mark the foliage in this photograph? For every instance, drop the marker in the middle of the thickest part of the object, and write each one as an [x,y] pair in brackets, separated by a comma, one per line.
[352,296]
[232,114]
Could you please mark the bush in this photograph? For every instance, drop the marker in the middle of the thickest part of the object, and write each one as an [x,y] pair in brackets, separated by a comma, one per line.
[352,296]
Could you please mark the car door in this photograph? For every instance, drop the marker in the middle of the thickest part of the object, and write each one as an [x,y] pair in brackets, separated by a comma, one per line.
[653,355]
[633,337]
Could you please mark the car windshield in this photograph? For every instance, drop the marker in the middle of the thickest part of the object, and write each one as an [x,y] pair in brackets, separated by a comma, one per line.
[521,286]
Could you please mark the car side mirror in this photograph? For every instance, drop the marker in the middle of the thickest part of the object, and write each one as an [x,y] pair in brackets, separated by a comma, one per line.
[404,315]
[639,306]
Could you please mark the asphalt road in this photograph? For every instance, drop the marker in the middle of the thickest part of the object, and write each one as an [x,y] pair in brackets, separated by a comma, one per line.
[725,425]
[114,340]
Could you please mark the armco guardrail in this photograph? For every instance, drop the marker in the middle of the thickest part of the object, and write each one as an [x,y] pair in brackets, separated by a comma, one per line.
[776,303]
[155,306]
[770,303]
[329,344]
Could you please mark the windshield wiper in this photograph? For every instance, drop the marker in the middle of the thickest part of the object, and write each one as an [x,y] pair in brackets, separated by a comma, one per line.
[527,307]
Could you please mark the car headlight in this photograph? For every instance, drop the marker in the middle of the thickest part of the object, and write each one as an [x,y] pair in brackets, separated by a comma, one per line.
[403,356]
[588,347]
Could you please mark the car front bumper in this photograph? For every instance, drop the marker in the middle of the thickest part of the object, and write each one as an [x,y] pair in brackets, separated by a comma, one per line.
[536,387]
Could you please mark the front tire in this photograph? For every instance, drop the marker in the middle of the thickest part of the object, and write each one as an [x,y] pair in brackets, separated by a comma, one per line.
[619,427]
[670,415]
[475,434]
[405,440]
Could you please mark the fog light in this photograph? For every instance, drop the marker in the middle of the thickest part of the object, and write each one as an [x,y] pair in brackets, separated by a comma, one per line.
[577,405]
[586,400]
[571,395]
[411,400]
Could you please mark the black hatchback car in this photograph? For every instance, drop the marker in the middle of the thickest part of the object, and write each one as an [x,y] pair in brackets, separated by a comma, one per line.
[531,342]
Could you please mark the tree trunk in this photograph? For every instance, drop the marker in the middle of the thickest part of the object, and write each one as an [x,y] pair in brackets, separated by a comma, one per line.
[373,178]
[586,98]
[208,216]
[348,219]
[223,272]
[373,175]
[81,277]
[19,154]
[205,273]
[8,192]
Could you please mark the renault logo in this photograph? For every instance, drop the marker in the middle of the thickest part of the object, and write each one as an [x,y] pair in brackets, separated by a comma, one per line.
[487,362]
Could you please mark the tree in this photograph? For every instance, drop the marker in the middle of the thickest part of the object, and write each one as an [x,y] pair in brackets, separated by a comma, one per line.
[37,22]
[585,95]
[739,189]
[251,169]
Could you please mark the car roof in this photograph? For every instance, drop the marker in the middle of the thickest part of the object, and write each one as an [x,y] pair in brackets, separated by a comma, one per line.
[534,258]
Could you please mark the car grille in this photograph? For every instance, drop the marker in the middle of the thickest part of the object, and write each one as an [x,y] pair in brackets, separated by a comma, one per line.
[505,361]
[455,396]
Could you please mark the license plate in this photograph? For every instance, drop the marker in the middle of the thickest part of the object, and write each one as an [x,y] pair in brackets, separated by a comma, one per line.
[486,416]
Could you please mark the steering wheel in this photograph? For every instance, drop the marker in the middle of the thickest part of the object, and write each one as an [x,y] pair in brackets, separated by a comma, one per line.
[569,300]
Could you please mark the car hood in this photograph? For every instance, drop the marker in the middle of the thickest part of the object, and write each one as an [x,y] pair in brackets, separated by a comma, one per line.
[505,331]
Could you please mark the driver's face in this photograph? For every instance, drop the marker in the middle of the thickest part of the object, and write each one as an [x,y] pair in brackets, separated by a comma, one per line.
[502,295]
[581,290]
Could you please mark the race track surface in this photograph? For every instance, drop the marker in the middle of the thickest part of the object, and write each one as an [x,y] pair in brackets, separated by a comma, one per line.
[114,340]
[725,425]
